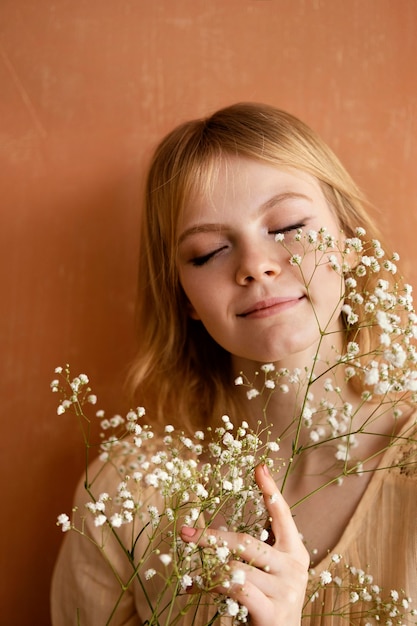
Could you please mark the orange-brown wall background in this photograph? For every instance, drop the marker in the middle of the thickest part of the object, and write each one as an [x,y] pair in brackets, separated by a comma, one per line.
[86,89]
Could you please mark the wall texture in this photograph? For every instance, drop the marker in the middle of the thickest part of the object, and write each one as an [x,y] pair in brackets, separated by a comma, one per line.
[87,88]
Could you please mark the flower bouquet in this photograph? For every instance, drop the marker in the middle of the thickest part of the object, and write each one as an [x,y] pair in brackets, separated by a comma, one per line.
[163,480]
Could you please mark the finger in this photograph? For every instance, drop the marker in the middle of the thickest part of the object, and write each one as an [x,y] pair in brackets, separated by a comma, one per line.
[231,545]
[250,585]
[282,523]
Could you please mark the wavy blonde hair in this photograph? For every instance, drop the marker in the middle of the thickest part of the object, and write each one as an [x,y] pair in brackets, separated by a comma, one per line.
[180,372]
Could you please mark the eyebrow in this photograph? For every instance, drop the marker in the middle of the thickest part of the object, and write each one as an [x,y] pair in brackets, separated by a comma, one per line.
[269,204]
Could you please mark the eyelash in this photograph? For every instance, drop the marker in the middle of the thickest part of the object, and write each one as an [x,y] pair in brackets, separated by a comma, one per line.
[287,229]
[198,261]
[202,260]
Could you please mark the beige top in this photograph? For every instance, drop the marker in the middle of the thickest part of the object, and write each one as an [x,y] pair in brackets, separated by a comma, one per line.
[381,538]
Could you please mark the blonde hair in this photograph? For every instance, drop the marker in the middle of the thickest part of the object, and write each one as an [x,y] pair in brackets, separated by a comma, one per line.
[180,371]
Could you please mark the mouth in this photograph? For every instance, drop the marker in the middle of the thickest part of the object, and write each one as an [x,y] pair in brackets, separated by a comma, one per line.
[271,306]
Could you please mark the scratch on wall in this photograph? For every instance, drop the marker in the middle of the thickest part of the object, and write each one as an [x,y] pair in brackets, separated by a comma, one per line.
[24,96]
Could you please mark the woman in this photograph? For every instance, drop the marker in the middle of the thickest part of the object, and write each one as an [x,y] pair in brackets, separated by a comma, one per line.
[229,282]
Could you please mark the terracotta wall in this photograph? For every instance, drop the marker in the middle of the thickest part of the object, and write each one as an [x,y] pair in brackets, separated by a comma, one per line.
[87,87]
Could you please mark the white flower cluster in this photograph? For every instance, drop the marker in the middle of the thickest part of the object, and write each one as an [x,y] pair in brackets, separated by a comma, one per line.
[386,372]
[80,392]
[210,474]
[201,476]
[358,591]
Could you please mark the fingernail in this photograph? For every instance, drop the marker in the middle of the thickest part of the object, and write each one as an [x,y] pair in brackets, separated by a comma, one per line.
[188,532]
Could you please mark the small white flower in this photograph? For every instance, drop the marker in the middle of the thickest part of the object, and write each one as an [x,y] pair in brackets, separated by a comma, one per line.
[58,370]
[232,607]
[92,398]
[99,520]
[372,376]
[273,446]
[60,410]
[186,581]
[394,595]
[238,577]
[150,573]
[239,380]
[264,535]
[201,491]
[252,393]
[222,553]
[352,348]
[116,520]
[165,559]
[325,577]
[64,521]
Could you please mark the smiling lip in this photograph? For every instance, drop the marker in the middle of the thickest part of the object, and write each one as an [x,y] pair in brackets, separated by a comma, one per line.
[265,308]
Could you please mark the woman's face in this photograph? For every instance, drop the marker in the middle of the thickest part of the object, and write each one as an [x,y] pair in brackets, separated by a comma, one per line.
[238,278]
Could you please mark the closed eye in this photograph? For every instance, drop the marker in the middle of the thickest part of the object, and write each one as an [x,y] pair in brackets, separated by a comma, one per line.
[198,261]
[287,229]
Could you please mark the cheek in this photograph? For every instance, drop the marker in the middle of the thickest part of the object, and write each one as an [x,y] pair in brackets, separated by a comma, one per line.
[196,293]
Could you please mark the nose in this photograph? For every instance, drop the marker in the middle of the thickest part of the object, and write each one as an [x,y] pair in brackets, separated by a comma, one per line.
[257,264]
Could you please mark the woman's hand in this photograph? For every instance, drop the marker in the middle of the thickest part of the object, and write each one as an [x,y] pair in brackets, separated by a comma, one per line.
[275,576]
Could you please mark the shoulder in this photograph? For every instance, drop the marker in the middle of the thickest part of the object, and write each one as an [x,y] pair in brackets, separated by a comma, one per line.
[404,450]
[119,463]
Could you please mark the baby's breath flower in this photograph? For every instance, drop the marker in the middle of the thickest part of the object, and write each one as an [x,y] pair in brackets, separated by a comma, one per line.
[165,559]
[273,446]
[222,553]
[150,573]
[232,607]
[325,577]
[116,520]
[238,577]
[186,581]
[268,367]
[64,521]
[100,519]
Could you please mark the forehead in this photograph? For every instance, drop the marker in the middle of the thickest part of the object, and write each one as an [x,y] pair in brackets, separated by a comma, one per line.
[251,183]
